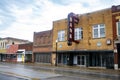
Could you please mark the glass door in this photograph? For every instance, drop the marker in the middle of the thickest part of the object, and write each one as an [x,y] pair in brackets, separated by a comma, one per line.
[64,59]
[81,60]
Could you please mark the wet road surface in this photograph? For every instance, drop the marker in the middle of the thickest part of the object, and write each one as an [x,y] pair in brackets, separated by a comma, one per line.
[7,77]
[31,72]
[24,72]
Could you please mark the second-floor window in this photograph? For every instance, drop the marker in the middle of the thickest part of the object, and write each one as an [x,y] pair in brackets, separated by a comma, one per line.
[99,31]
[61,35]
[3,45]
[78,33]
[118,28]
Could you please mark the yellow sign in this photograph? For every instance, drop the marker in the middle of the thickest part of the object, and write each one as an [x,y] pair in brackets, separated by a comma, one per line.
[23,58]
[3,51]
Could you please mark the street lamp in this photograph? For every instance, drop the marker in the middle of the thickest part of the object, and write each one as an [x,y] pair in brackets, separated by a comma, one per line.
[56,53]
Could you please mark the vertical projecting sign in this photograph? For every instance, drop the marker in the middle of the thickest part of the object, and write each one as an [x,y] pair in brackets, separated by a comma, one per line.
[72,20]
[70,28]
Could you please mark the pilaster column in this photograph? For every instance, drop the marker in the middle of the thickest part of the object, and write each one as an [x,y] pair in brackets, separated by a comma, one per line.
[115,57]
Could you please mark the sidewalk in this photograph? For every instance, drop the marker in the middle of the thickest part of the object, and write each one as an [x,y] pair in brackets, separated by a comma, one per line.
[75,69]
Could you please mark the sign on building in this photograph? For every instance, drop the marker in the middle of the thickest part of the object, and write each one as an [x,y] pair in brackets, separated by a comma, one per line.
[72,20]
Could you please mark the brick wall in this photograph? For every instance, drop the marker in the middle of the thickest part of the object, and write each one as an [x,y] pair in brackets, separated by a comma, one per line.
[86,21]
[42,41]
[27,46]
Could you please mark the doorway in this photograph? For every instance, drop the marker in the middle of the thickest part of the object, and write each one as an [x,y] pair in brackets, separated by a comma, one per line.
[118,49]
[81,60]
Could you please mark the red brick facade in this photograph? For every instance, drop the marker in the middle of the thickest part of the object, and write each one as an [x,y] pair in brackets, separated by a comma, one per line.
[42,46]
[116,37]
[27,46]
[11,53]
[12,49]
[42,41]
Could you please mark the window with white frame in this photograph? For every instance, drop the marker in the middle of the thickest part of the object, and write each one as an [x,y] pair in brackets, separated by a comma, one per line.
[99,31]
[78,33]
[61,35]
[118,28]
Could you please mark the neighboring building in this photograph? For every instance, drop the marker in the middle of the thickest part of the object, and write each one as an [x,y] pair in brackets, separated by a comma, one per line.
[5,43]
[24,52]
[116,35]
[94,32]
[42,47]
[11,55]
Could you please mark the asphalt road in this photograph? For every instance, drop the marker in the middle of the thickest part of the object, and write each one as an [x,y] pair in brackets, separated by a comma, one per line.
[12,71]
[8,77]
[66,78]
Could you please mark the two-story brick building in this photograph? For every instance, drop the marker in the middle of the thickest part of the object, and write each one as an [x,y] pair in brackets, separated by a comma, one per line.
[116,34]
[7,47]
[42,47]
[94,32]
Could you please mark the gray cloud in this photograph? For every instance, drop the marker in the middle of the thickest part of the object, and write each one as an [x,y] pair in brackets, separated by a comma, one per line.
[20,18]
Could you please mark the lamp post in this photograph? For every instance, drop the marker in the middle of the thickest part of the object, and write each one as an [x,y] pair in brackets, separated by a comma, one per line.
[56,54]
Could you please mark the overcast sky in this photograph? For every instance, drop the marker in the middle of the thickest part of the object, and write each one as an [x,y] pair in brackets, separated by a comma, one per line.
[21,18]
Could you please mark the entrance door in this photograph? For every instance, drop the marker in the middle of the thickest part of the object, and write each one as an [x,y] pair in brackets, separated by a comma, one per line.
[65,57]
[118,49]
[81,60]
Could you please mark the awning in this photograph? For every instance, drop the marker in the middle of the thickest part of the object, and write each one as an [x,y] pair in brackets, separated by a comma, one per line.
[86,51]
[19,51]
